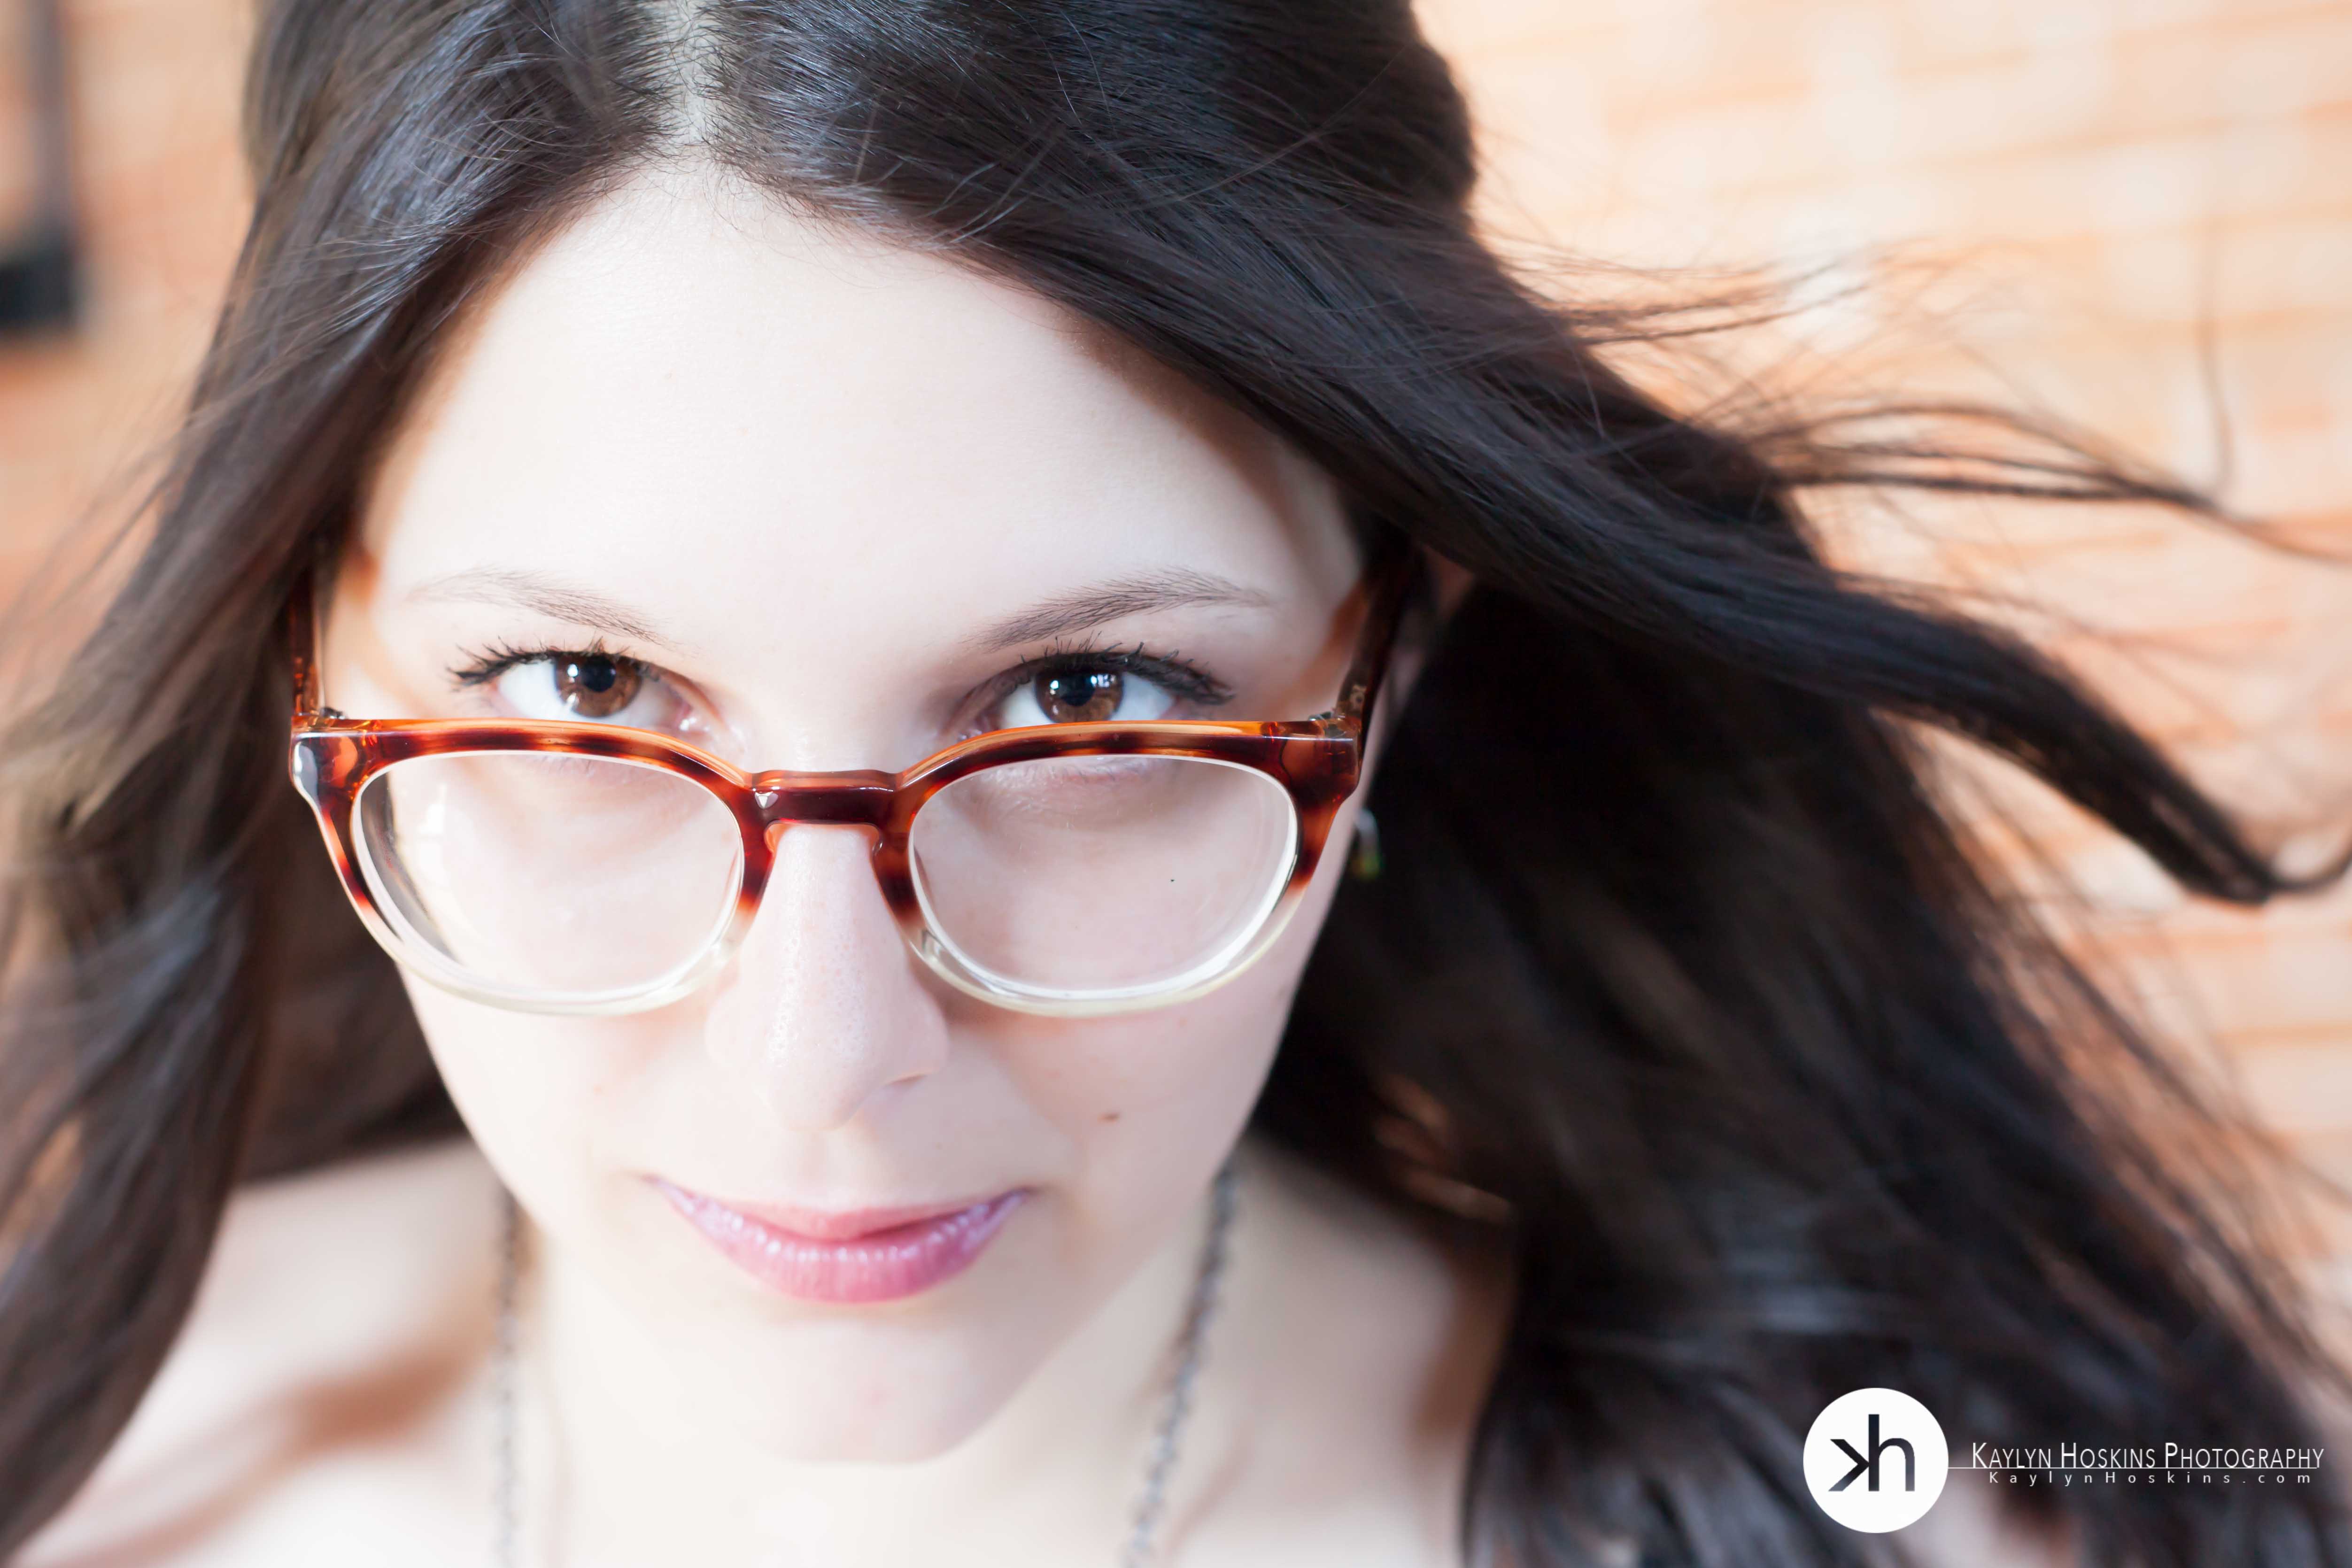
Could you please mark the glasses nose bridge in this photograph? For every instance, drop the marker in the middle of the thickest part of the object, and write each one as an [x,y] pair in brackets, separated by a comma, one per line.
[859,799]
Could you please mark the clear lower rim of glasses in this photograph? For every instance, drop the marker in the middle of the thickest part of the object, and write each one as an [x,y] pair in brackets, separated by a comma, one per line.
[953,962]
[384,920]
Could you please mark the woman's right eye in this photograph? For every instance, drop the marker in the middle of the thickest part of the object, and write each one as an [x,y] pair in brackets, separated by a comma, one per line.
[599,688]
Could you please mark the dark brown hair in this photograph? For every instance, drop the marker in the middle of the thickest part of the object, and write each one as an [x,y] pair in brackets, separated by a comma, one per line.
[1685,986]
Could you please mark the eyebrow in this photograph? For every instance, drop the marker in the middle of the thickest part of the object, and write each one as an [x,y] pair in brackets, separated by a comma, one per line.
[1066,615]
[1087,608]
[550,596]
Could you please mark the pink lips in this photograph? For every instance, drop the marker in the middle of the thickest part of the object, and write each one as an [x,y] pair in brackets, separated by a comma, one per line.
[865,1255]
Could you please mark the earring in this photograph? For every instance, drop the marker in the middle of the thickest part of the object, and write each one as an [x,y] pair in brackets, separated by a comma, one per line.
[1364,858]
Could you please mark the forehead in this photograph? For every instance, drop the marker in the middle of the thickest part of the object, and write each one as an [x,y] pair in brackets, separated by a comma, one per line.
[691,374]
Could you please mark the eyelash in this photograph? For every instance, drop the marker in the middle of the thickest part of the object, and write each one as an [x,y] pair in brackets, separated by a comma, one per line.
[486,665]
[1168,670]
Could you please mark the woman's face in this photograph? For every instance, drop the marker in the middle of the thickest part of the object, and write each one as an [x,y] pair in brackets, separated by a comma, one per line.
[802,490]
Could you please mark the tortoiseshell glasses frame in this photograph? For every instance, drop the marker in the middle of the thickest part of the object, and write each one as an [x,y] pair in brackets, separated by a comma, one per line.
[1315,760]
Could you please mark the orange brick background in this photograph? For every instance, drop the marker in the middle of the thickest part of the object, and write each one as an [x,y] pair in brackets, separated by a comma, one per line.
[2133,213]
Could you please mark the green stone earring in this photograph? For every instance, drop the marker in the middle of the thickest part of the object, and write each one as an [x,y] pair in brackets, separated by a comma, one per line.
[1364,859]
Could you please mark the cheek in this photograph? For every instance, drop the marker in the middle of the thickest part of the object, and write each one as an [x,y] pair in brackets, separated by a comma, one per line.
[1158,1097]
[1148,1105]
[539,1093]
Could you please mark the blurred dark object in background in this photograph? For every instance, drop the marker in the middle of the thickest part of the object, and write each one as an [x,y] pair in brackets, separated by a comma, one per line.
[38,264]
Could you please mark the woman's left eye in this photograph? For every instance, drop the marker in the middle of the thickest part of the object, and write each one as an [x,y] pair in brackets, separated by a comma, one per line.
[1082,694]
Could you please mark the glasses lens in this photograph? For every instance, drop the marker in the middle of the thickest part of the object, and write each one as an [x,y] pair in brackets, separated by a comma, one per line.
[1098,876]
[550,877]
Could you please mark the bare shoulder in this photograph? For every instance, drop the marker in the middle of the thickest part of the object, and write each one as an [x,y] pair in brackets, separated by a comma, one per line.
[1368,1349]
[317,1390]
[1371,1350]
[1377,1290]
[1969,1528]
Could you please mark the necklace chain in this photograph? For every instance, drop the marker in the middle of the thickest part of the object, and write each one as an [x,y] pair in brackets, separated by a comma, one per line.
[1176,1405]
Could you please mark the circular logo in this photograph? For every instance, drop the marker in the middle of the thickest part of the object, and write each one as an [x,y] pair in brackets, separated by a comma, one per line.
[1875,1459]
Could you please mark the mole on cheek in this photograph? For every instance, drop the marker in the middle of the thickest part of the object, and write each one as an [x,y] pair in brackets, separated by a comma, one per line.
[1110,1115]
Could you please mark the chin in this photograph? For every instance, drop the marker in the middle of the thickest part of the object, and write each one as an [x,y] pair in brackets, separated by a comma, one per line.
[894,1380]
[872,1393]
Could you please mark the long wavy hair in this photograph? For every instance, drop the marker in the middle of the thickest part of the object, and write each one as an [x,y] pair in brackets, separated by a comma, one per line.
[1682,985]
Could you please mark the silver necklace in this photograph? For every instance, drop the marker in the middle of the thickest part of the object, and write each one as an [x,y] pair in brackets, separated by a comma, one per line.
[1176,1404]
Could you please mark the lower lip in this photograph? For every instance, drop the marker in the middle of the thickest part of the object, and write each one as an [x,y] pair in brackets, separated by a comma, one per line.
[879,1266]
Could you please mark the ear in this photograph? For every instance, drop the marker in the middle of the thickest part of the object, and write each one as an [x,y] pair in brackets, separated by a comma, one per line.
[1451,584]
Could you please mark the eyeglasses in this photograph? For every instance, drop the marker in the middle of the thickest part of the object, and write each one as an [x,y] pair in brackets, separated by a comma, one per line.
[561,866]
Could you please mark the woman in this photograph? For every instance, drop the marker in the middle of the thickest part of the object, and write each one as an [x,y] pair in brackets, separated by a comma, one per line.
[850,581]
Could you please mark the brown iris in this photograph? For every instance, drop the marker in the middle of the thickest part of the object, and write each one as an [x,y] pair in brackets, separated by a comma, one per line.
[596,687]
[1076,696]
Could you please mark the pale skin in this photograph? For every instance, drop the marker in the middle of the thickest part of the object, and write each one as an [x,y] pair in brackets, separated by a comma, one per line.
[803,473]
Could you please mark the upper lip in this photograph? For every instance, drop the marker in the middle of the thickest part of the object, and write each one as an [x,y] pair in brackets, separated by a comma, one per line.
[834,1224]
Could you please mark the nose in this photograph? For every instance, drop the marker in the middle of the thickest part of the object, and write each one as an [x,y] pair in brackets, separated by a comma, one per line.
[825,1008]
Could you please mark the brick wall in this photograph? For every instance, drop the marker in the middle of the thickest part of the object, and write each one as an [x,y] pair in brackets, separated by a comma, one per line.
[2129,212]
[155,83]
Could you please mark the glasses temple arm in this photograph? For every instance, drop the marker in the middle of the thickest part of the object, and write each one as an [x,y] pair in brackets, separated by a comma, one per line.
[302,650]
[1359,688]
